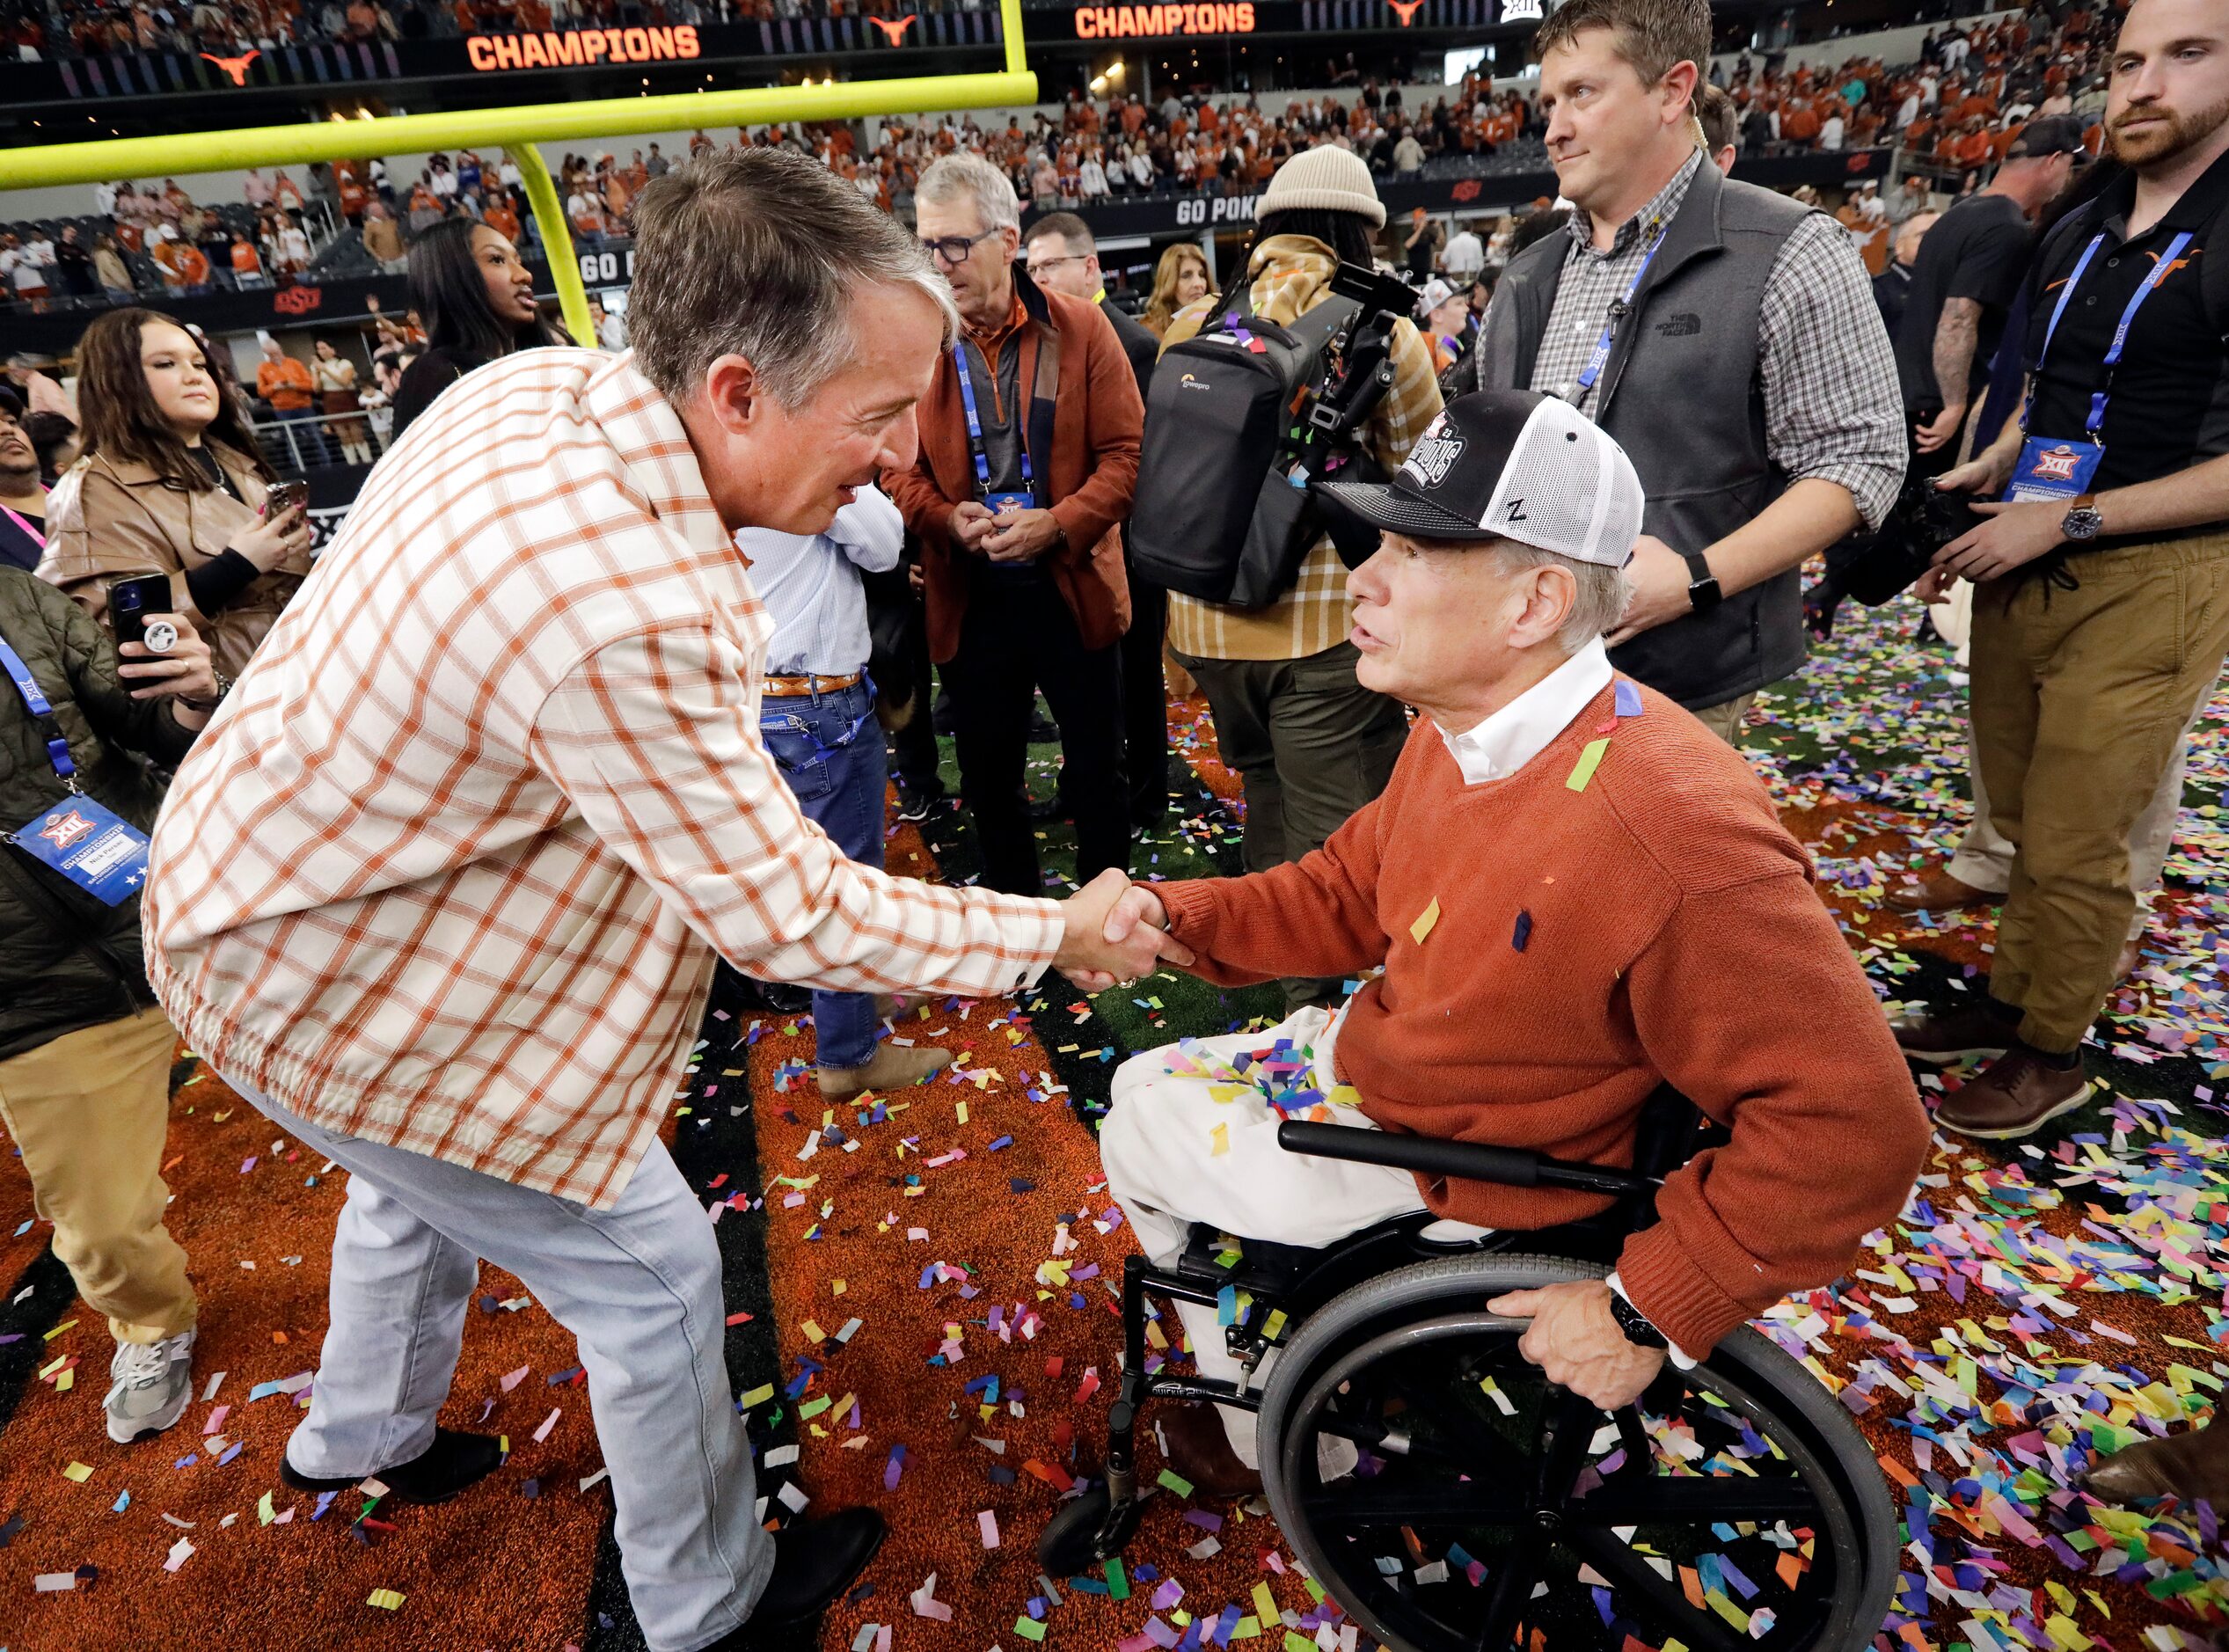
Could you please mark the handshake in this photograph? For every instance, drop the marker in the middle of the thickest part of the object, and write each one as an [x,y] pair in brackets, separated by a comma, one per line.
[1116,932]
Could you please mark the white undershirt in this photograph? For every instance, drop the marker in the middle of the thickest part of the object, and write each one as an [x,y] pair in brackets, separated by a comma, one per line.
[1511,738]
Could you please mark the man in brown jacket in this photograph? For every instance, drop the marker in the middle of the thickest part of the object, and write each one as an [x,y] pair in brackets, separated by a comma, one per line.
[1028,458]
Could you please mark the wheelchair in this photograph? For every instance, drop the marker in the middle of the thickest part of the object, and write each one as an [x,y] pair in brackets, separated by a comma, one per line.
[1734,1506]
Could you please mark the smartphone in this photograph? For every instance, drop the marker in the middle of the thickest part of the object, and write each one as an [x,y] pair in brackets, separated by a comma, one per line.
[131,600]
[283,497]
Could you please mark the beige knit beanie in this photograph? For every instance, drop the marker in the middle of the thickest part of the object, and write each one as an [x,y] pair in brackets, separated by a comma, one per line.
[1327,178]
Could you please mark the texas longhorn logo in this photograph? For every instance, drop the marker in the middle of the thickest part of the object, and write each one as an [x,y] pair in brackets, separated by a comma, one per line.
[894,32]
[1408,12]
[236,67]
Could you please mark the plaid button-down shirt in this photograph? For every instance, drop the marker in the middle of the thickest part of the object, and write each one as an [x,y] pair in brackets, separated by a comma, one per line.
[449,868]
[1832,408]
[1291,275]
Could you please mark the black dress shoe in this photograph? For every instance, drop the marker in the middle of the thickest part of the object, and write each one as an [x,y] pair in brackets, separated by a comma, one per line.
[452,1462]
[814,1562]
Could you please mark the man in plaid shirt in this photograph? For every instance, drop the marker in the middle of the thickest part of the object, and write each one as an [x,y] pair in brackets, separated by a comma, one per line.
[442,888]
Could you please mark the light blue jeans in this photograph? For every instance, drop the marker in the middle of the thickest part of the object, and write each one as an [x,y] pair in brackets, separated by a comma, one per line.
[637,1285]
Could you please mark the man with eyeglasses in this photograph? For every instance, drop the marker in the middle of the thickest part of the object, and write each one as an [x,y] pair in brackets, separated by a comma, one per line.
[1063,257]
[1028,459]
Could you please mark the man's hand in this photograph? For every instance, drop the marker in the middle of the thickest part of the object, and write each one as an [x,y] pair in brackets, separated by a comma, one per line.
[970,523]
[1986,472]
[1942,428]
[1659,580]
[2014,534]
[1098,949]
[1022,536]
[1934,585]
[1574,1340]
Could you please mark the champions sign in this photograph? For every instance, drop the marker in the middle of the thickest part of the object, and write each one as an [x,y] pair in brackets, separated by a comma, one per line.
[572,49]
[1107,23]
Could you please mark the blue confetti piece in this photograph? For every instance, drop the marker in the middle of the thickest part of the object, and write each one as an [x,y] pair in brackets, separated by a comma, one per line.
[1523,935]
[1628,699]
[123,1502]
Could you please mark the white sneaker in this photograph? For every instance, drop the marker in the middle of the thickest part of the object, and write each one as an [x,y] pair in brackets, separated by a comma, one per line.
[153,1383]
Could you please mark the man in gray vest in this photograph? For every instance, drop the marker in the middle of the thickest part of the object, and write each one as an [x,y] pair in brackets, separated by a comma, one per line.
[1726,336]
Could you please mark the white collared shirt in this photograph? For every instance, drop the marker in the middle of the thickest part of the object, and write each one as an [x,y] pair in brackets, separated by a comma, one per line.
[810,585]
[1520,731]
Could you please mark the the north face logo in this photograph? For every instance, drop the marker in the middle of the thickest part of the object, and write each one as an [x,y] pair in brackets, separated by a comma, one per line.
[1431,460]
[1685,325]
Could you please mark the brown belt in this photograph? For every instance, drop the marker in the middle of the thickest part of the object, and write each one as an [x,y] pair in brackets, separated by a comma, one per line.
[785,688]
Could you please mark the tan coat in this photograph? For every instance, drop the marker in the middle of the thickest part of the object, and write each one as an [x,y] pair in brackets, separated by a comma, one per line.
[109,518]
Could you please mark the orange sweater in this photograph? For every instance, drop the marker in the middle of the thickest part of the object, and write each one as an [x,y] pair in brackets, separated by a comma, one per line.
[1658,925]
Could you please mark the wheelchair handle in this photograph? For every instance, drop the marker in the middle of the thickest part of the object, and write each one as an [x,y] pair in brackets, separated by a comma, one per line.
[1430,1156]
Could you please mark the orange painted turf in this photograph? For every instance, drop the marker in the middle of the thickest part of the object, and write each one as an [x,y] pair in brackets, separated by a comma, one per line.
[497,1568]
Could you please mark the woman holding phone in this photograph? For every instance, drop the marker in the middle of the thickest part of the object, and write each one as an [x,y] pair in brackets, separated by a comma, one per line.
[171,481]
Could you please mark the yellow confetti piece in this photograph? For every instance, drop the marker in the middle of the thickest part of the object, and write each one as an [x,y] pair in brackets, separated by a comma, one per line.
[67,1381]
[385,1599]
[1583,771]
[812,1332]
[758,1396]
[265,1514]
[1422,926]
[837,1287]
[1220,1138]
[963,1112]
[79,1472]
[1265,1605]
[58,1330]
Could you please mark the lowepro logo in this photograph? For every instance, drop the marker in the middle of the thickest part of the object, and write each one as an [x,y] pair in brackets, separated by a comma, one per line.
[1189,382]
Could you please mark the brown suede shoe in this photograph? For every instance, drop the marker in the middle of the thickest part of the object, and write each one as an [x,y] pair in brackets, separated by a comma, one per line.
[1937,891]
[2015,1095]
[894,1067]
[2192,1465]
[1198,1448]
[1954,1034]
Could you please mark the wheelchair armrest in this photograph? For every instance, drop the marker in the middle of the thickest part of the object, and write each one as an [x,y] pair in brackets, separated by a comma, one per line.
[1469,1161]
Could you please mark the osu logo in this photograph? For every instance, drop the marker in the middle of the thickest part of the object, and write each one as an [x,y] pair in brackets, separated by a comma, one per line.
[65,830]
[298,300]
[2056,464]
[1467,190]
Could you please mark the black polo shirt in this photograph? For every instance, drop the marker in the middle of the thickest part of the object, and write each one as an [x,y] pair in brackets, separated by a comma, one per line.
[2169,406]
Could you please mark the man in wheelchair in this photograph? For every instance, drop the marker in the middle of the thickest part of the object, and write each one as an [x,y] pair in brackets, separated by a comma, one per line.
[1577,895]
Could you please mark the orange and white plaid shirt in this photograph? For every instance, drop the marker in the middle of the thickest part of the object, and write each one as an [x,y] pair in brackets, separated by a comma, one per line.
[449,868]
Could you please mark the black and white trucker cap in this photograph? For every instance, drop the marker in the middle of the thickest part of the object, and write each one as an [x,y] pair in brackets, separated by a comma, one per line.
[1511,464]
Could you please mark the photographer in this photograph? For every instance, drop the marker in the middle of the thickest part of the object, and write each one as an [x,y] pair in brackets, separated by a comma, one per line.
[172,482]
[85,1053]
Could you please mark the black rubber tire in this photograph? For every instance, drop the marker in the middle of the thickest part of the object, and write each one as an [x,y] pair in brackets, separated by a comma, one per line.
[1069,1543]
[1465,1284]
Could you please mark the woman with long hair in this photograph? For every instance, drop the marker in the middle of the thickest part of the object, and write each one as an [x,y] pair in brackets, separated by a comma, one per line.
[478,299]
[1181,277]
[335,377]
[171,481]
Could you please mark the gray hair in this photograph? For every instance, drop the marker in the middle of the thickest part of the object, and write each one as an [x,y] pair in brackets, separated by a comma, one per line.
[760,253]
[970,178]
[1601,599]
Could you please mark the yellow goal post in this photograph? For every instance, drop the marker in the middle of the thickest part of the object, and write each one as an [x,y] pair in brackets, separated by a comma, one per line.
[517,130]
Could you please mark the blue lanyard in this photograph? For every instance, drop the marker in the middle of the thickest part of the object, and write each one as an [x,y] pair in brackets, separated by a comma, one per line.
[2145,289]
[974,423]
[1601,357]
[34,700]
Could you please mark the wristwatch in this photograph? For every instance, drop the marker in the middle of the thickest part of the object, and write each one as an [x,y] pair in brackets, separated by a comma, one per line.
[1702,585]
[2082,523]
[1635,1324]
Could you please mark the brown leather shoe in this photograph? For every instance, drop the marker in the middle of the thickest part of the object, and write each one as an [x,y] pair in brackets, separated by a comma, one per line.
[2191,1465]
[1954,1034]
[2015,1095]
[1937,891]
[1198,1448]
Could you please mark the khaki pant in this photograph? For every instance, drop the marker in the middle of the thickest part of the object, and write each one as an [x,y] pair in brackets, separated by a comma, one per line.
[88,1111]
[1725,720]
[2080,697]
[1312,746]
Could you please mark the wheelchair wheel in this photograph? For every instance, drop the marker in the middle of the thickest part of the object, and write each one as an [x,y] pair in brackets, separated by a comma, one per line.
[1734,1507]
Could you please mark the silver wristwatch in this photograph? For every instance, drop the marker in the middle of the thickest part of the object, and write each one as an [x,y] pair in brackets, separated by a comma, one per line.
[2082,523]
